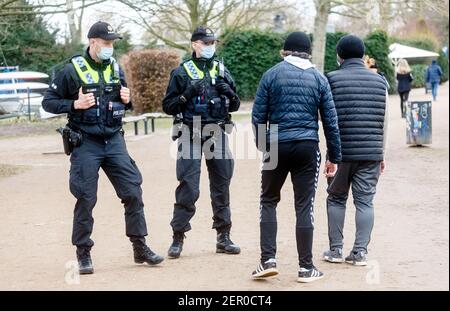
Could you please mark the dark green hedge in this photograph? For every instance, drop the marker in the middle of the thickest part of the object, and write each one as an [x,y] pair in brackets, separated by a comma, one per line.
[377,47]
[443,62]
[248,54]
[418,72]
[330,52]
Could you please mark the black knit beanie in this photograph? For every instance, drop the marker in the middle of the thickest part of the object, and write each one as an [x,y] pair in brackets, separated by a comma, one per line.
[298,42]
[350,47]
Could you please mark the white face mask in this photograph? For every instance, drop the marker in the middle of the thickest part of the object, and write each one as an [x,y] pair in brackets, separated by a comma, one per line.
[105,53]
[208,51]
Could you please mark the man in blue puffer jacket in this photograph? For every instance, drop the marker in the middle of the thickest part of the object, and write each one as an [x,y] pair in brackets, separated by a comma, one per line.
[290,97]
[434,73]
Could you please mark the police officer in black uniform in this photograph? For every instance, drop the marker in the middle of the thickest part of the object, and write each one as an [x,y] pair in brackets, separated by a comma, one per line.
[92,90]
[201,94]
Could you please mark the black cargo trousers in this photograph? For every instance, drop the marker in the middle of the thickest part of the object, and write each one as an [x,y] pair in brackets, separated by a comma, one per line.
[220,166]
[112,156]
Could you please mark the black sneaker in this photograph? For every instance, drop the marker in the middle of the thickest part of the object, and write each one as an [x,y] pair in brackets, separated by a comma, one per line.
[309,275]
[266,270]
[84,262]
[225,245]
[177,245]
[357,258]
[142,253]
[333,255]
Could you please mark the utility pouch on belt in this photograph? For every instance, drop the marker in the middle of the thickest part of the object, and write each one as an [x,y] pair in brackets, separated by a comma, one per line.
[71,139]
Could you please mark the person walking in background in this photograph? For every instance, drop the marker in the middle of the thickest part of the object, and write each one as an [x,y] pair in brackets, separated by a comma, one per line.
[434,73]
[360,98]
[371,63]
[404,79]
[291,95]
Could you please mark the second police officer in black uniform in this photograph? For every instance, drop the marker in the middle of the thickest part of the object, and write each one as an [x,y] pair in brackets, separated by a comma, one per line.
[92,90]
[201,94]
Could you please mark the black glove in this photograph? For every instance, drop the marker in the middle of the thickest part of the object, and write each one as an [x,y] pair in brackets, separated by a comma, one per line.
[225,89]
[194,89]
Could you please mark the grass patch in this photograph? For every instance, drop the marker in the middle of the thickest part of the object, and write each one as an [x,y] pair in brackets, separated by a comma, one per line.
[7,170]
[21,126]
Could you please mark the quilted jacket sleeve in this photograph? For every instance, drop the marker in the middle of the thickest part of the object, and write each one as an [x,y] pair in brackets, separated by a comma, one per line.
[330,123]
[260,111]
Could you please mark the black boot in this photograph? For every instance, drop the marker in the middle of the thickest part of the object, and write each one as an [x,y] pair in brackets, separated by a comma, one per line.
[177,245]
[84,261]
[224,243]
[142,253]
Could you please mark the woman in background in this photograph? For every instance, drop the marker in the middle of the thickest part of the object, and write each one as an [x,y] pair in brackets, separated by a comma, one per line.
[371,64]
[404,79]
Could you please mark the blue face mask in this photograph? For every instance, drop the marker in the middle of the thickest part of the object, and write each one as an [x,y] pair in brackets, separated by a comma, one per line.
[208,51]
[105,53]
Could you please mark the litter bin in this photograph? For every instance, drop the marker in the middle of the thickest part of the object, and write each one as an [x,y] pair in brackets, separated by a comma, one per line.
[418,123]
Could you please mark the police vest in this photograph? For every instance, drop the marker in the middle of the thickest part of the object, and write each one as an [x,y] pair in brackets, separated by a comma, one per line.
[212,106]
[196,74]
[105,85]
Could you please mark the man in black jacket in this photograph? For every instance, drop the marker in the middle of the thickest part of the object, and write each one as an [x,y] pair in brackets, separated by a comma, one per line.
[201,94]
[92,90]
[360,97]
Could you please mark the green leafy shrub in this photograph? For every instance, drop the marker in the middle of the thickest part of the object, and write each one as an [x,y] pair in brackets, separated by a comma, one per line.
[248,54]
[377,47]
[418,72]
[443,62]
[330,52]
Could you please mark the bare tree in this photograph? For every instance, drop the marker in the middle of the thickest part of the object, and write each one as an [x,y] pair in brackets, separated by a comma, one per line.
[74,21]
[171,21]
[73,8]
[377,13]
[382,14]
[75,14]
[42,7]
[324,8]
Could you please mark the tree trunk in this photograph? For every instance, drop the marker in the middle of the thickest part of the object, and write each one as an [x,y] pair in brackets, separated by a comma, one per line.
[194,12]
[323,8]
[75,33]
[385,10]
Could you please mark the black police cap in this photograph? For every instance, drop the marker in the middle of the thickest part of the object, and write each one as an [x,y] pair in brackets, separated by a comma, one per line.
[104,31]
[204,34]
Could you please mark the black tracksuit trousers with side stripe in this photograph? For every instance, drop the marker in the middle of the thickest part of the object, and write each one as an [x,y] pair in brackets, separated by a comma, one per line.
[302,160]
